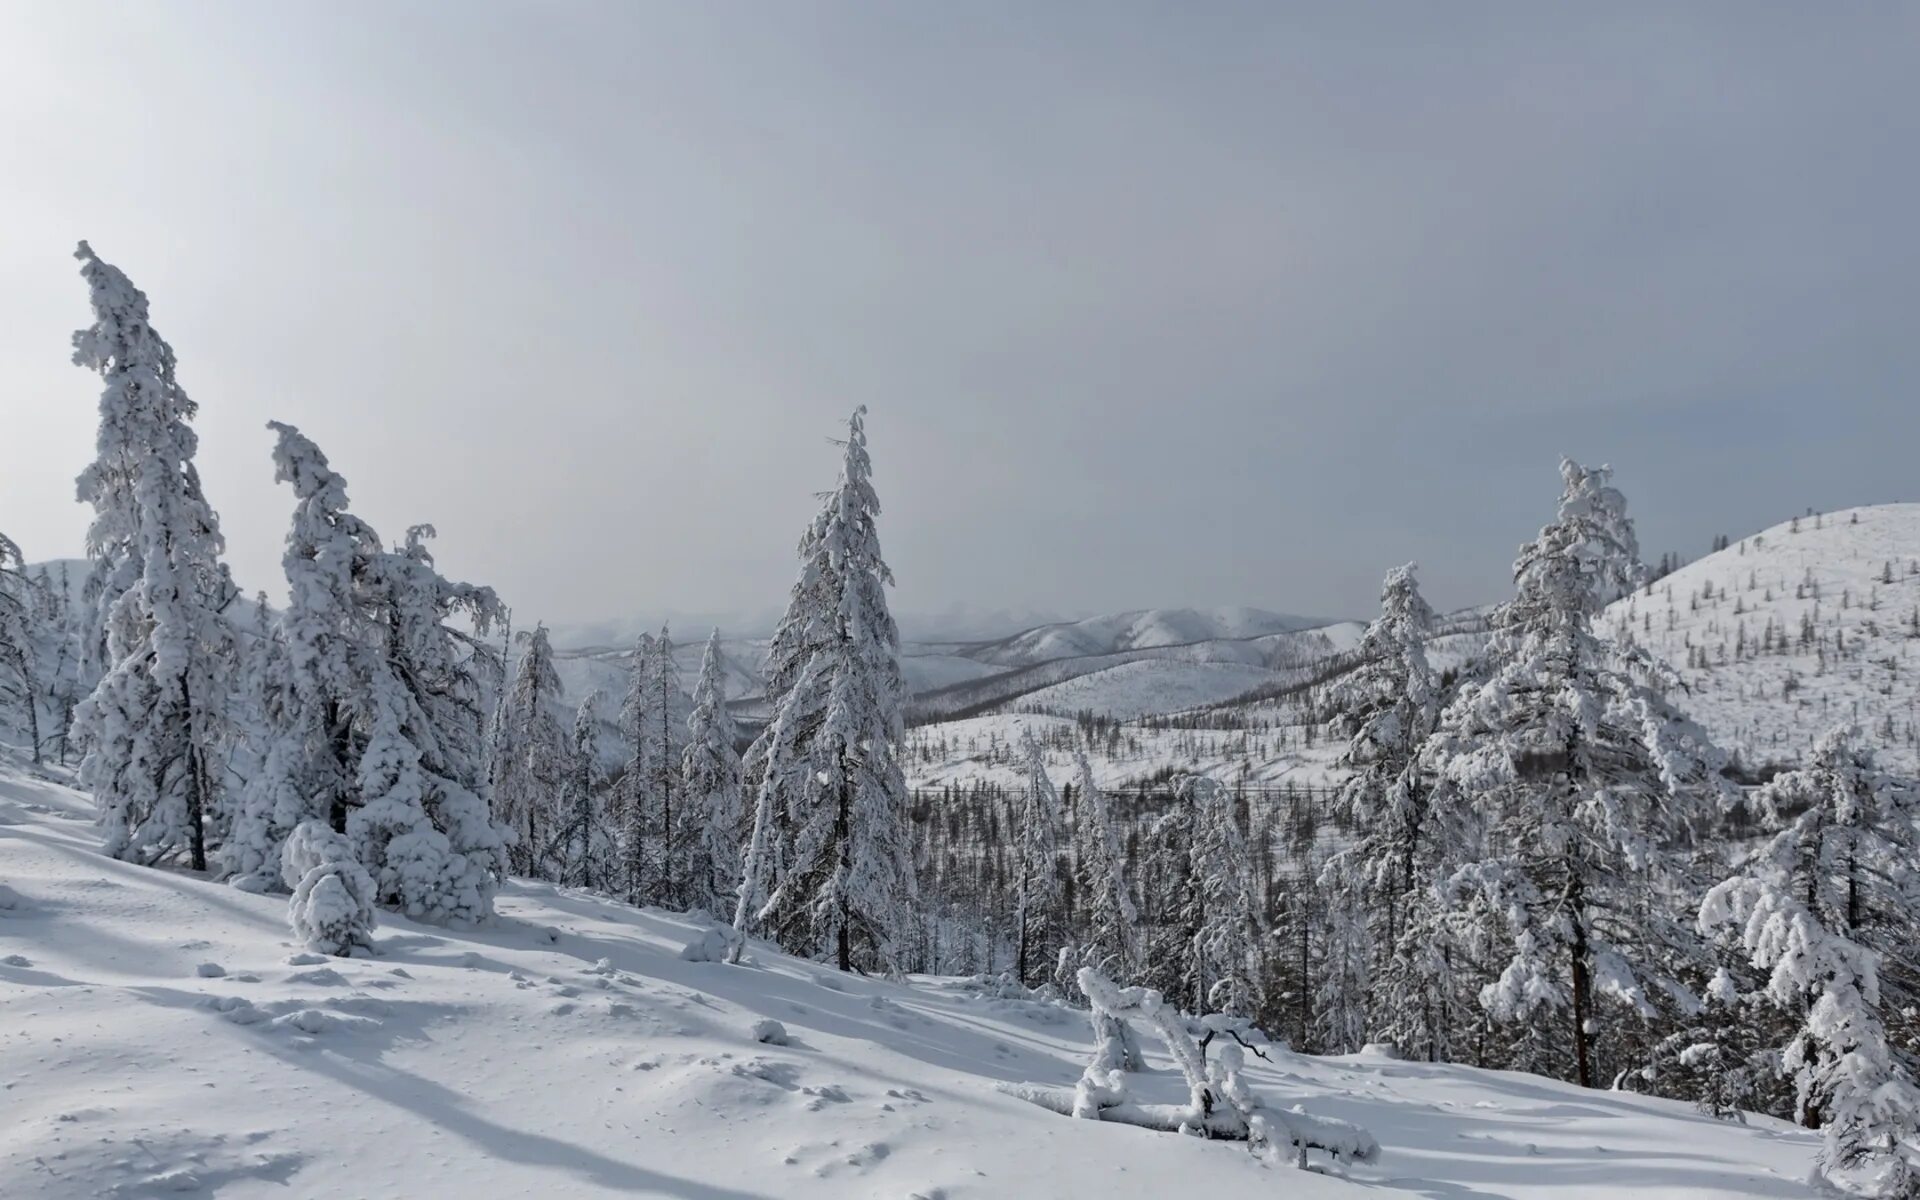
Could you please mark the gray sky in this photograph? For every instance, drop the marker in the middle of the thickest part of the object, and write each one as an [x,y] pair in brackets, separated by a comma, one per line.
[1153,305]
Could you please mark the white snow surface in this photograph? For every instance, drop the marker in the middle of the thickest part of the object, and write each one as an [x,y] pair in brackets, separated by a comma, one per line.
[567,1050]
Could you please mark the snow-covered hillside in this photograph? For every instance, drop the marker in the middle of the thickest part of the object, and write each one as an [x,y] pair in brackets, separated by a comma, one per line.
[1137,689]
[1142,629]
[1794,630]
[160,1036]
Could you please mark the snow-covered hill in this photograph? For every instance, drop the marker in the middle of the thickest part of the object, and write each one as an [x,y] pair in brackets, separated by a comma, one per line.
[1793,630]
[159,1035]
[1147,686]
[1141,629]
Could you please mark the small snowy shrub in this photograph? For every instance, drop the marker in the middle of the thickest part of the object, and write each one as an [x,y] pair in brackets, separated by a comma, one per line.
[770,1033]
[332,909]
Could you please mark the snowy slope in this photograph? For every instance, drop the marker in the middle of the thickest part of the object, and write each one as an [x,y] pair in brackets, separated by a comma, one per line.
[1137,689]
[1852,575]
[157,1037]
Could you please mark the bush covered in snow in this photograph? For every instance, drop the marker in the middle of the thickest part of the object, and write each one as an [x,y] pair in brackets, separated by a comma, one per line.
[332,910]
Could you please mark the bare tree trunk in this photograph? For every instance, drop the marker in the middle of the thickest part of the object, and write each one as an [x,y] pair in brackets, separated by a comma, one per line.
[196,801]
[1582,986]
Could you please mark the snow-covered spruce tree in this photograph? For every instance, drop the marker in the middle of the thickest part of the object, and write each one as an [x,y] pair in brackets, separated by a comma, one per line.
[1836,878]
[1037,917]
[710,784]
[663,783]
[759,865]
[1585,780]
[376,710]
[1340,1014]
[1386,708]
[532,757]
[424,827]
[18,690]
[1112,938]
[637,855]
[580,840]
[309,677]
[157,710]
[55,655]
[848,886]
[1726,1056]
[1207,942]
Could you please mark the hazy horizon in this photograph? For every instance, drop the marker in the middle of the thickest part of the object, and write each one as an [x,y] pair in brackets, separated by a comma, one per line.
[1235,305]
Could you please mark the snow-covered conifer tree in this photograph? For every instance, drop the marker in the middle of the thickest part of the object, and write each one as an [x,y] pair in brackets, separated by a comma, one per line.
[1386,707]
[1584,777]
[1206,944]
[532,758]
[157,710]
[1037,916]
[581,842]
[1341,982]
[847,888]
[1223,967]
[639,854]
[710,783]
[1808,905]
[376,708]
[663,785]
[17,686]
[1113,923]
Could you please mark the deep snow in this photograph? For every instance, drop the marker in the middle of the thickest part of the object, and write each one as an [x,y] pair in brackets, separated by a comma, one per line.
[159,1034]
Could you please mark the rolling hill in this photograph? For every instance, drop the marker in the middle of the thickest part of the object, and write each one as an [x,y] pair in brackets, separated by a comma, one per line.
[1787,633]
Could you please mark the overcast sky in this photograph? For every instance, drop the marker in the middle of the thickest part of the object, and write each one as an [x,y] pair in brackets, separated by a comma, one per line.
[1152,305]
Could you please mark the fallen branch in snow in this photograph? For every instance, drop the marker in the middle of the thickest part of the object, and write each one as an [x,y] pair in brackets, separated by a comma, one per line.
[1222,1105]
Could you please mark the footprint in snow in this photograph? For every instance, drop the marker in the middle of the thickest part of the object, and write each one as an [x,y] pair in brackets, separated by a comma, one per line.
[823,1096]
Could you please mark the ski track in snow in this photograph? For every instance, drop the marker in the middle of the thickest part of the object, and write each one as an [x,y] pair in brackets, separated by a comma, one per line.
[161,1035]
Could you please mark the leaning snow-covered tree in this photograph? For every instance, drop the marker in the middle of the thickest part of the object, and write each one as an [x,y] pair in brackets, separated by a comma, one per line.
[1586,781]
[1808,907]
[1037,917]
[826,761]
[531,757]
[377,724]
[159,706]
[710,787]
